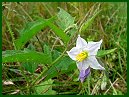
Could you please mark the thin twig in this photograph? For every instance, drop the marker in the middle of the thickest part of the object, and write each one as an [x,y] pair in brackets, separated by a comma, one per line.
[111,85]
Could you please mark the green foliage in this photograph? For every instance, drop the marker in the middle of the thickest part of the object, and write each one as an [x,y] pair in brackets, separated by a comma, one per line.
[102,53]
[25,56]
[30,66]
[65,20]
[42,67]
[30,31]
[45,88]
[47,51]
[62,66]
[86,24]
[104,82]
[59,32]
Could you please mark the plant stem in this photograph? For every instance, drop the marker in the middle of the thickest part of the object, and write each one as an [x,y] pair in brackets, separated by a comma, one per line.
[11,32]
[49,66]
[40,43]
[56,60]
[88,84]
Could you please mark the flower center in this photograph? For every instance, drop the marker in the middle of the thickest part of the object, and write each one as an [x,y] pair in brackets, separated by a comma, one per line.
[81,56]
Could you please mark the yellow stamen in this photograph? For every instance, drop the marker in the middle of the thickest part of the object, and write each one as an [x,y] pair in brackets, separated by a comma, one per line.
[81,56]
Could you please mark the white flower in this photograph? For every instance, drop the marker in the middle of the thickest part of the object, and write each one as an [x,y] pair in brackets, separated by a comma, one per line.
[84,54]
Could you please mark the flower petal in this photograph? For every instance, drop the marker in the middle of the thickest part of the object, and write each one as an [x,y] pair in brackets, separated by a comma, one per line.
[79,65]
[84,74]
[73,53]
[93,47]
[82,65]
[80,42]
[94,63]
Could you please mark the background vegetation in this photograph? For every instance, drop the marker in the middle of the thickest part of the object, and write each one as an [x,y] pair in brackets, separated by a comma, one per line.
[30,48]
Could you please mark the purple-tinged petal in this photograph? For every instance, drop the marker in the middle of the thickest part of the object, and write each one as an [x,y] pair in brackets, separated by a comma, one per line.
[82,65]
[84,74]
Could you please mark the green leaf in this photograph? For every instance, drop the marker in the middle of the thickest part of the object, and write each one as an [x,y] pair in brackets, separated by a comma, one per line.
[55,54]
[30,66]
[102,53]
[25,56]
[29,31]
[71,31]
[47,50]
[65,20]
[31,47]
[45,88]
[59,32]
[86,24]
[64,65]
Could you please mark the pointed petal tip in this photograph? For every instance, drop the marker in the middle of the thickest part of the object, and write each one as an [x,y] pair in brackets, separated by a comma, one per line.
[102,68]
[67,51]
[80,42]
[82,80]
[101,41]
